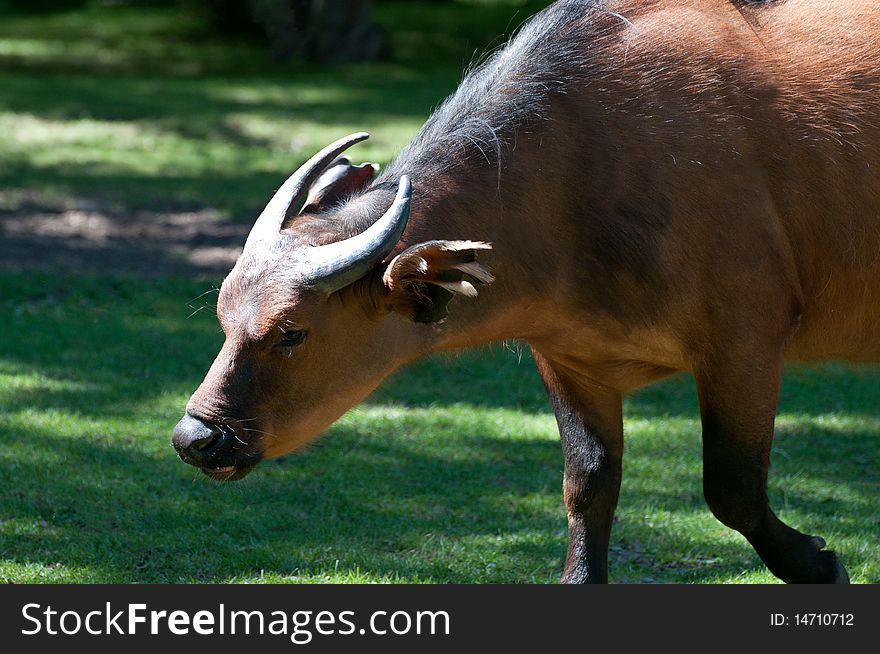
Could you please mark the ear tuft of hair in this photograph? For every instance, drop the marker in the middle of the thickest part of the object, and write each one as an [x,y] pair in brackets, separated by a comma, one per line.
[425,277]
[476,270]
[450,264]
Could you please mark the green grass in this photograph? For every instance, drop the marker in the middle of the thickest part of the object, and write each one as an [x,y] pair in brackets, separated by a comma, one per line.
[146,108]
[423,483]
[451,472]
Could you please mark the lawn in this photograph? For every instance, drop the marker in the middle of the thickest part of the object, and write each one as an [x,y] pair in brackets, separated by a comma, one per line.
[143,108]
[451,472]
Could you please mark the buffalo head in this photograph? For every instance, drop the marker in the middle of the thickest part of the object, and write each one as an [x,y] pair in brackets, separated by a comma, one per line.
[316,313]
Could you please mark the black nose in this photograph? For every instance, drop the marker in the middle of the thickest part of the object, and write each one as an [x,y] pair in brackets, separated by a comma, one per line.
[195,440]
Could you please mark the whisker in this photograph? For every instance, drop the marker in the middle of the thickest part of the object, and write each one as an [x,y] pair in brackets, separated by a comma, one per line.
[211,290]
[259,431]
[224,428]
[205,306]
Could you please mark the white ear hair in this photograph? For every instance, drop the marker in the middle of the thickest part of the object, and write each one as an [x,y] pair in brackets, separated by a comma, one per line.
[338,171]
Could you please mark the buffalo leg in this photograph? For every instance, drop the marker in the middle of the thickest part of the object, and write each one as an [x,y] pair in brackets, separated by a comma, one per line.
[738,407]
[591,428]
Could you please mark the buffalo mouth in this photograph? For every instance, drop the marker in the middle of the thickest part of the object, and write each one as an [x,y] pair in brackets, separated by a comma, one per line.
[228,473]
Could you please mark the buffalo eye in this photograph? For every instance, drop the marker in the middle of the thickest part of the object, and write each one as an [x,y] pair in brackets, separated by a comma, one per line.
[291,337]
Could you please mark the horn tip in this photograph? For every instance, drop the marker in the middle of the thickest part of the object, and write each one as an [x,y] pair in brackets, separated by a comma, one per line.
[405,185]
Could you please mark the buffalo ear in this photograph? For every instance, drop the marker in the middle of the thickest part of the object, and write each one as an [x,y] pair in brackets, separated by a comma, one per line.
[421,280]
[340,180]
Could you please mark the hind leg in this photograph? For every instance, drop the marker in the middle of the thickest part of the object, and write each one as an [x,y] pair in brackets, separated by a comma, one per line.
[738,391]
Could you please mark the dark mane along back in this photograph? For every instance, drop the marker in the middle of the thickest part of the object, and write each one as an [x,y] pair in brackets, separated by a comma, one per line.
[504,94]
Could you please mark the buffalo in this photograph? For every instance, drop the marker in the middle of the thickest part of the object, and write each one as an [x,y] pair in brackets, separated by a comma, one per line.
[634,188]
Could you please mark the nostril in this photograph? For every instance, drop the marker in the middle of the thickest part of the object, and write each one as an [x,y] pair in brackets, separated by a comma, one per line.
[207,441]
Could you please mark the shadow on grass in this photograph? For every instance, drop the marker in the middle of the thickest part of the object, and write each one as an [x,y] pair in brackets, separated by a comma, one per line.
[90,238]
[380,505]
[137,518]
[127,517]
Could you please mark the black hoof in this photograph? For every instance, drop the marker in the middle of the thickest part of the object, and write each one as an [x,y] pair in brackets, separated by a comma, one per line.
[803,561]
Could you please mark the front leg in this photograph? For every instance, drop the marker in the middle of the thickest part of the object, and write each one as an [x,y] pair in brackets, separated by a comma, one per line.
[590,420]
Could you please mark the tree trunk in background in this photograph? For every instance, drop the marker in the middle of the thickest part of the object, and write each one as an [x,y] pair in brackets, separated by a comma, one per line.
[332,31]
[341,30]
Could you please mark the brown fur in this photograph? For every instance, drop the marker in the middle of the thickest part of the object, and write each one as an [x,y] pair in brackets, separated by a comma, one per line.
[699,192]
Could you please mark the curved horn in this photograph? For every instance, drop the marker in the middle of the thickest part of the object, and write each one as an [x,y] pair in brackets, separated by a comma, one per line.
[288,199]
[331,267]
